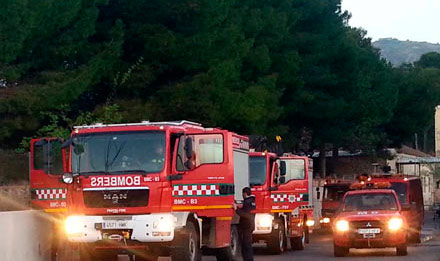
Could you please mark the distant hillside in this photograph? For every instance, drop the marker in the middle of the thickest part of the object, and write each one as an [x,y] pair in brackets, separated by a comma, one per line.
[398,52]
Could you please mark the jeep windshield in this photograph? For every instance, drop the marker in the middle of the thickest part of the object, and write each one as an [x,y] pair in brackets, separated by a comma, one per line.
[370,201]
[257,171]
[118,152]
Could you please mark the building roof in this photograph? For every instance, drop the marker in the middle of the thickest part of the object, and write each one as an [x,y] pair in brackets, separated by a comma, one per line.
[418,160]
[413,152]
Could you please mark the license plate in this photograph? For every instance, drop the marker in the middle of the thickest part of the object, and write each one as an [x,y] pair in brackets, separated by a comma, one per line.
[369,230]
[115,224]
[369,235]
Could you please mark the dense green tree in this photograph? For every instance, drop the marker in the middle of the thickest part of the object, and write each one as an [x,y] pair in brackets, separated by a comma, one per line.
[293,68]
[51,52]
[419,92]
[344,95]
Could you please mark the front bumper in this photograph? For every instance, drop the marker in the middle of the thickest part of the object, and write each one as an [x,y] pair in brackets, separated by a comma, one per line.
[140,228]
[353,240]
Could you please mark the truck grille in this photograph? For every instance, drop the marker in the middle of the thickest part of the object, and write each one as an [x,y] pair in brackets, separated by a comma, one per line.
[355,225]
[116,198]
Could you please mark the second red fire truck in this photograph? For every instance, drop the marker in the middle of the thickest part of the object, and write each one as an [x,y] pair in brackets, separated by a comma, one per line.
[282,187]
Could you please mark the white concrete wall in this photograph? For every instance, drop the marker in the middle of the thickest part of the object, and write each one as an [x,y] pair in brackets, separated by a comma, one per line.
[25,236]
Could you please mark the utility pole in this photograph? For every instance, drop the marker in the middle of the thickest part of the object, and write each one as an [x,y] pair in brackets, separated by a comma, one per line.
[437,131]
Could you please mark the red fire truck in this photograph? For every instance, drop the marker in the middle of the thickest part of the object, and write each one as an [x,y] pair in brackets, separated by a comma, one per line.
[333,192]
[146,189]
[409,191]
[282,187]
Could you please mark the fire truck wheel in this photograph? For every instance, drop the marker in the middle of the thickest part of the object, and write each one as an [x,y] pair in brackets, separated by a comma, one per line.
[87,253]
[277,243]
[297,243]
[402,250]
[235,244]
[307,235]
[340,251]
[187,245]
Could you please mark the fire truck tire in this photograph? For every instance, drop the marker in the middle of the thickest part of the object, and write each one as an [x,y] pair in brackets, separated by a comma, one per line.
[235,244]
[339,251]
[297,243]
[307,235]
[278,242]
[224,254]
[187,245]
[402,250]
[87,253]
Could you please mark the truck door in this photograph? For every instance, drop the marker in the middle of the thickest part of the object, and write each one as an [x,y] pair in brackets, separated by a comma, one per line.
[292,184]
[48,191]
[206,179]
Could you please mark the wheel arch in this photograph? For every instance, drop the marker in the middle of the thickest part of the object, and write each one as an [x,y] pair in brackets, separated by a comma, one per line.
[182,219]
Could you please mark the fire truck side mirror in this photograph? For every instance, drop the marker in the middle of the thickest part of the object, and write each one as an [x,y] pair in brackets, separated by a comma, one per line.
[282,168]
[189,147]
[318,195]
[282,180]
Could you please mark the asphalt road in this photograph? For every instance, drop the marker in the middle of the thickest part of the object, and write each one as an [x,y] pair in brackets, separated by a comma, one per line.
[321,248]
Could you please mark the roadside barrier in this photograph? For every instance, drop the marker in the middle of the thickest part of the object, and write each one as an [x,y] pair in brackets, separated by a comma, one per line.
[26,236]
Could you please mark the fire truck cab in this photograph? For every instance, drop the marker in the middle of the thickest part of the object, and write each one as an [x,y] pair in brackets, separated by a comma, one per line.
[370,217]
[333,192]
[281,186]
[146,189]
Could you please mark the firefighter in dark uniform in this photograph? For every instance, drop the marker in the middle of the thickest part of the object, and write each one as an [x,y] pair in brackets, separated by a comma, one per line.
[247,224]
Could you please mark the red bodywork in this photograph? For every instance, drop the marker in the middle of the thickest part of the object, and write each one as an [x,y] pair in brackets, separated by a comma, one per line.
[207,190]
[48,191]
[333,193]
[290,199]
[369,219]
[409,192]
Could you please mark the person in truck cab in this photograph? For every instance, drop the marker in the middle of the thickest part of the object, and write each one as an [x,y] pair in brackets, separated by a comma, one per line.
[246,225]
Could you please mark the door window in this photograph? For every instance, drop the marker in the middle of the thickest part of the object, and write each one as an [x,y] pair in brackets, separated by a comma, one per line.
[47,156]
[295,170]
[206,149]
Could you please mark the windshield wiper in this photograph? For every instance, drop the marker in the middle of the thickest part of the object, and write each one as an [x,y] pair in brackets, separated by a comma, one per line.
[86,173]
[130,171]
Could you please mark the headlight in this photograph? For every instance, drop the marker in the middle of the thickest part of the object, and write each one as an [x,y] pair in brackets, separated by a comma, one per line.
[263,220]
[326,220]
[310,222]
[73,225]
[342,226]
[395,224]
[164,224]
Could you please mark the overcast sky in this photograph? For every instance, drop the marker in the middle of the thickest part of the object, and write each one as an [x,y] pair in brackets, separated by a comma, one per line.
[415,20]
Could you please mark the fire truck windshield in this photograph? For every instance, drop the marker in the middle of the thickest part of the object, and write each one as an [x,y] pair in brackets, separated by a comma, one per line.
[257,171]
[401,191]
[370,201]
[334,192]
[118,152]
